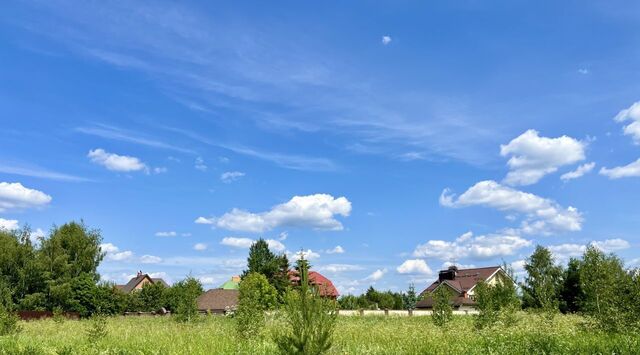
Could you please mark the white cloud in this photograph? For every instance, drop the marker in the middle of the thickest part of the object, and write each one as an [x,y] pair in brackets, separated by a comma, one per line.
[200,165]
[532,157]
[632,113]
[307,254]
[231,176]
[376,275]
[160,170]
[113,253]
[541,215]
[630,170]
[317,211]
[150,259]
[246,243]
[200,247]
[166,234]
[565,251]
[480,247]
[204,220]
[583,71]
[14,196]
[414,266]
[579,172]
[275,245]
[337,250]
[283,236]
[9,224]
[386,40]
[37,235]
[339,268]
[115,162]
[185,234]
[237,242]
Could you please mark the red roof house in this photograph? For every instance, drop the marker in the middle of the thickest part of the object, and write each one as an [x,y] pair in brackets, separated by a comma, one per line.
[324,285]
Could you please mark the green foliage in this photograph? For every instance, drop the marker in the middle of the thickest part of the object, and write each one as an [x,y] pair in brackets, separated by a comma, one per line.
[152,297]
[571,294]
[8,322]
[442,311]
[310,319]
[274,267]
[256,295]
[373,299]
[542,285]
[97,328]
[496,303]
[58,315]
[183,295]
[608,290]
[410,298]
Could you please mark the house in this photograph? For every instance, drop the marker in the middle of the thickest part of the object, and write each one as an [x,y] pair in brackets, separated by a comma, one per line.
[462,283]
[324,285]
[218,300]
[232,284]
[139,281]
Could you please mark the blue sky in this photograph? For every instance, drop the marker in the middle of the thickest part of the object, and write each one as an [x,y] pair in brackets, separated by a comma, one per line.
[385,139]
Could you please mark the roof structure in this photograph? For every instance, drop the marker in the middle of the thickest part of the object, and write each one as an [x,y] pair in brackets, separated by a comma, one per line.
[232,284]
[462,281]
[324,285]
[217,300]
[139,278]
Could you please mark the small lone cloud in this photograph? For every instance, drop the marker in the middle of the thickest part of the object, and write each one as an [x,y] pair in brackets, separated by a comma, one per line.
[583,71]
[386,40]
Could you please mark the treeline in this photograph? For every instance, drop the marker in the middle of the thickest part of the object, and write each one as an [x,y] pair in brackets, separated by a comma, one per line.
[59,273]
[596,285]
[374,299]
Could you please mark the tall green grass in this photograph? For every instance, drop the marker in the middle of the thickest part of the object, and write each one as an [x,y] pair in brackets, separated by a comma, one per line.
[353,335]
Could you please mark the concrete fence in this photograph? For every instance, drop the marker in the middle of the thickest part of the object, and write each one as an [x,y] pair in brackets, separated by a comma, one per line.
[398,313]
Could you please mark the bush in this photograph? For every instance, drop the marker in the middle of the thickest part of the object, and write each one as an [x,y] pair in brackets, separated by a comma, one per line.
[8,322]
[184,295]
[442,311]
[310,320]
[256,296]
[97,328]
[497,303]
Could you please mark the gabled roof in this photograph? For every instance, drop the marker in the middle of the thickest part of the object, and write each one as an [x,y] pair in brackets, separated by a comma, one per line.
[466,279]
[217,299]
[131,285]
[324,285]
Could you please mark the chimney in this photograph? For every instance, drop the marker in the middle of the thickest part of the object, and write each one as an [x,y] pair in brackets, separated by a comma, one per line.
[139,273]
[448,274]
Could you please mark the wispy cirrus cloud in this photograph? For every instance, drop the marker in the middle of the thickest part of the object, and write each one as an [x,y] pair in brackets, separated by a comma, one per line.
[38,172]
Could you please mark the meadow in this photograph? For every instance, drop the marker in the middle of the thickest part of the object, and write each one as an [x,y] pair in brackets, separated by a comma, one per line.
[353,335]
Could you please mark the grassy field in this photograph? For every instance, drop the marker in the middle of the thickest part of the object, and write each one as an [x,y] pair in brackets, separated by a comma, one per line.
[354,335]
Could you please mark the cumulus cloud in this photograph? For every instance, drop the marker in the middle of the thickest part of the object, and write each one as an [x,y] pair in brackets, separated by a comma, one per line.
[14,196]
[200,247]
[316,211]
[414,266]
[337,250]
[568,250]
[237,242]
[113,253]
[532,157]
[166,234]
[541,215]
[386,40]
[150,259]
[480,247]
[376,275]
[9,224]
[246,243]
[630,170]
[231,176]
[579,172]
[115,162]
[632,113]
[306,254]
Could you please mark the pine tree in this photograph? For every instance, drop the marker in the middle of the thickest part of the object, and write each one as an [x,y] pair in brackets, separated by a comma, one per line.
[410,298]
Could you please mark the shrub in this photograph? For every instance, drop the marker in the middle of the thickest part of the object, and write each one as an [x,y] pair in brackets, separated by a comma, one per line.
[310,320]
[442,312]
[97,328]
[256,295]
[8,322]
[183,297]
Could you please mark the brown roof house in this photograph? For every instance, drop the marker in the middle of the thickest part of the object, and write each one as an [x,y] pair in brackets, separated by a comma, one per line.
[222,299]
[462,282]
[139,281]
